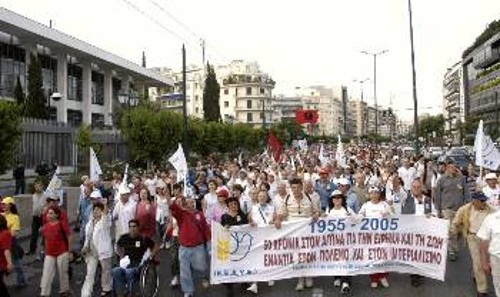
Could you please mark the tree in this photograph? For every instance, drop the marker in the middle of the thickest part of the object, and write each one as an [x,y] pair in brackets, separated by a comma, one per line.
[19,94]
[468,129]
[430,125]
[35,103]
[211,95]
[10,133]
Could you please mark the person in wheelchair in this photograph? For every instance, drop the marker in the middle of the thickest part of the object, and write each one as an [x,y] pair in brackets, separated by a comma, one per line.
[134,251]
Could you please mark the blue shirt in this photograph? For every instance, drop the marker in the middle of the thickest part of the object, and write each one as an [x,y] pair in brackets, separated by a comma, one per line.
[352,201]
[324,191]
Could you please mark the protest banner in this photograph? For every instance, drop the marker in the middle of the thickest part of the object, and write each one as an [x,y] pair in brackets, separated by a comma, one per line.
[330,246]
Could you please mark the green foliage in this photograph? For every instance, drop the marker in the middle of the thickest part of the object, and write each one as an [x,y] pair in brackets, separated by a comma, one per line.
[83,140]
[486,86]
[493,28]
[488,70]
[431,124]
[375,138]
[19,94]
[153,136]
[35,104]
[10,133]
[211,95]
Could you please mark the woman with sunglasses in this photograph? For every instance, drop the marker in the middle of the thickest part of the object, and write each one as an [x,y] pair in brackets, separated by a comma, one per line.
[338,208]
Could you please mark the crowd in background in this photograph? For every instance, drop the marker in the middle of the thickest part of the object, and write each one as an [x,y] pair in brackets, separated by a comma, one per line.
[125,222]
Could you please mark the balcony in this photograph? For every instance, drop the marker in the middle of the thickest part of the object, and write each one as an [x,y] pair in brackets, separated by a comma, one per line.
[243,79]
[487,59]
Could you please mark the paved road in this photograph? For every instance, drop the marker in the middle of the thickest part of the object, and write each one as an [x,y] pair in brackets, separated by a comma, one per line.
[458,284]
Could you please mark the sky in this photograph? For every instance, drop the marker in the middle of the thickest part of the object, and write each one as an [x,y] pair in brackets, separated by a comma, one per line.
[299,43]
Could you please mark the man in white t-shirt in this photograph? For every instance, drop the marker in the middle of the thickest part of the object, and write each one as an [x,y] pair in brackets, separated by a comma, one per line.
[407,173]
[489,233]
[492,190]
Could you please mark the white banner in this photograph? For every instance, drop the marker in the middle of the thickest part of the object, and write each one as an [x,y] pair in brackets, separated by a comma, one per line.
[95,168]
[178,160]
[331,246]
[487,155]
[55,187]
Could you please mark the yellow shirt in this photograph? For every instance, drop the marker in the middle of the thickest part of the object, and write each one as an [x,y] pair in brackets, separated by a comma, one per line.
[13,222]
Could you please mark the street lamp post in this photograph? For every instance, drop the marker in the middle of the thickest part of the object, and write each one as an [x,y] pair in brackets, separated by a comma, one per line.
[375,83]
[361,82]
[56,96]
[414,81]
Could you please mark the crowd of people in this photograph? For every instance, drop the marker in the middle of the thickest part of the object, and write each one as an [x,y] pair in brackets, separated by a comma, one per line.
[125,222]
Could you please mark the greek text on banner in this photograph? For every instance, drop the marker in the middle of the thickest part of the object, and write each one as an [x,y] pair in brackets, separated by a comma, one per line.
[330,246]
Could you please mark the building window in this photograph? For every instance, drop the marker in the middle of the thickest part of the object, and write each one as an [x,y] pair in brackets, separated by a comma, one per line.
[249,103]
[197,110]
[196,97]
[226,103]
[97,91]
[262,91]
[226,91]
[74,117]
[97,119]
[249,91]
[236,92]
[249,117]
[75,89]
[261,115]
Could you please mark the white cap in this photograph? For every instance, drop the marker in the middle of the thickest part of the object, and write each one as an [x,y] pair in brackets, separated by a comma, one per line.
[490,176]
[344,182]
[96,194]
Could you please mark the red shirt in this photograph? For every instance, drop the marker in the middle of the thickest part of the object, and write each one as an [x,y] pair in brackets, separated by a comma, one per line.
[147,219]
[5,244]
[193,227]
[55,243]
[63,217]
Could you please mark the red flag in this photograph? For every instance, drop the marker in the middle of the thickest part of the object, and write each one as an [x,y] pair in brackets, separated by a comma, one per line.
[303,116]
[274,147]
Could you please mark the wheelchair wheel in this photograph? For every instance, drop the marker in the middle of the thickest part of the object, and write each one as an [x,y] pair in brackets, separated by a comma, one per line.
[149,282]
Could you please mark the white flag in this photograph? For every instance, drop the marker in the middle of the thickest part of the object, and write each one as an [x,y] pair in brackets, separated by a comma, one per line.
[292,162]
[178,160]
[487,155]
[55,187]
[240,159]
[322,158]
[95,168]
[339,156]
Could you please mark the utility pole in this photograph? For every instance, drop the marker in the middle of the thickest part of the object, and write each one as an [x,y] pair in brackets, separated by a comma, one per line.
[361,82]
[184,103]
[375,83]
[414,82]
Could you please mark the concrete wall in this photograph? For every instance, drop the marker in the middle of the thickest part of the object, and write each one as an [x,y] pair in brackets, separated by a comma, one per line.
[24,206]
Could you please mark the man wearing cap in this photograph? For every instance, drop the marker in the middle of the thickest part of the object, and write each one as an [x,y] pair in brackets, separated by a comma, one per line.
[492,190]
[324,187]
[440,171]
[489,233]
[468,220]
[297,205]
[124,211]
[351,199]
[451,194]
